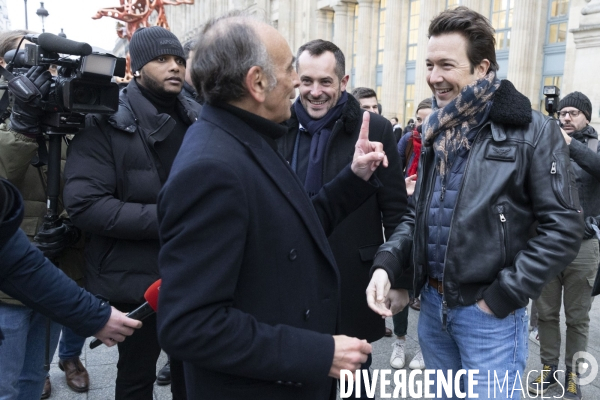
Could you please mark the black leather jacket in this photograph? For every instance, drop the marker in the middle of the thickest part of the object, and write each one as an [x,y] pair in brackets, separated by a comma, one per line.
[518,176]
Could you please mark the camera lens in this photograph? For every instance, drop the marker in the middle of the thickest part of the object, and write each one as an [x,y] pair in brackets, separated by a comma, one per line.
[88,96]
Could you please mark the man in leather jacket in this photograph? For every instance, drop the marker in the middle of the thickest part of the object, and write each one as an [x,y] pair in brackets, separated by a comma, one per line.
[576,281]
[490,168]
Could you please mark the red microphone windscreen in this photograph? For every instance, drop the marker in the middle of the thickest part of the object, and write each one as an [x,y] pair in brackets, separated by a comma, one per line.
[151,294]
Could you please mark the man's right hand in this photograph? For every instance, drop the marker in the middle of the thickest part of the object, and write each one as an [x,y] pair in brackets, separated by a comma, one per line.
[28,91]
[349,354]
[367,155]
[117,328]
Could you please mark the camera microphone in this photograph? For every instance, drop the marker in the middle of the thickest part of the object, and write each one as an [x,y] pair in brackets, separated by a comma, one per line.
[143,311]
[57,44]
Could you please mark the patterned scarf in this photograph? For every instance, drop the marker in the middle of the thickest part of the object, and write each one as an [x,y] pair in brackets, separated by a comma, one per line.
[447,128]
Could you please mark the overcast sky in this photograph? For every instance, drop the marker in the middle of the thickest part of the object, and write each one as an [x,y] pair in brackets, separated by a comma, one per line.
[74,16]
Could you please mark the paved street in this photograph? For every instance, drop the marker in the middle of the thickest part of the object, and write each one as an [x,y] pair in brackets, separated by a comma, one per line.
[101,364]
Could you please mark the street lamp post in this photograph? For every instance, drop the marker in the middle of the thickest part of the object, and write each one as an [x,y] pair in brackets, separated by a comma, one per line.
[26,24]
[42,13]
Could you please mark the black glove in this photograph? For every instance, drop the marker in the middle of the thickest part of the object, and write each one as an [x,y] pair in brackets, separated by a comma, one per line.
[53,238]
[28,91]
[589,231]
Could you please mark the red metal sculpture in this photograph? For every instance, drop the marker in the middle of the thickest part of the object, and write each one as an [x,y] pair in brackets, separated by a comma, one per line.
[136,14]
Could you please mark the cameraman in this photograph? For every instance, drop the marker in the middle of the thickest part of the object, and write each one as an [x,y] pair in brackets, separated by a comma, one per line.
[23,163]
[117,166]
[576,281]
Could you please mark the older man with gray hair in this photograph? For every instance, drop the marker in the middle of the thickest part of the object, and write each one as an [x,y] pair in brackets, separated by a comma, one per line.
[250,288]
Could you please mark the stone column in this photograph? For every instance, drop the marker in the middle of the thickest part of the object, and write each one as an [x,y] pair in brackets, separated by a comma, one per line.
[286,22]
[525,55]
[367,38]
[393,68]
[342,31]
[427,11]
[587,46]
[481,6]
[324,19]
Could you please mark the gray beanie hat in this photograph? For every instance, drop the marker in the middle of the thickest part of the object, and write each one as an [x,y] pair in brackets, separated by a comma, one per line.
[148,43]
[578,100]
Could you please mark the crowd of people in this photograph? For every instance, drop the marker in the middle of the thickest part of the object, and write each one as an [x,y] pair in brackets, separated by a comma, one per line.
[268,199]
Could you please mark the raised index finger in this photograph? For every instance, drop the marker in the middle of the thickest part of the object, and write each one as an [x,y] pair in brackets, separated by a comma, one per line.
[364,128]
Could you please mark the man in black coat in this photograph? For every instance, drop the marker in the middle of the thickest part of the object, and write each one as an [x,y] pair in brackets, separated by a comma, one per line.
[250,289]
[324,126]
[116,167]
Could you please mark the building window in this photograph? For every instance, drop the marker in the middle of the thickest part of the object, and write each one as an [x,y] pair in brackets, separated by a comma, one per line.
[502,14]
[409,103]
[557,21]
[354,47]
[413,30]
[380,47]
[452,4]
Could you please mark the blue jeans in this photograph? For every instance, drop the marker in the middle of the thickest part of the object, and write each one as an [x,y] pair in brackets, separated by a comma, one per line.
[22,353]
[70,344]
[475,340]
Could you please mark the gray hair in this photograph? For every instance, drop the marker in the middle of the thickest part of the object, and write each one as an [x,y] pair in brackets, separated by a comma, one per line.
[226,48]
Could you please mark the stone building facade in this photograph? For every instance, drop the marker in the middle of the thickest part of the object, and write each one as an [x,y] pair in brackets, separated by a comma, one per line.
[539,42]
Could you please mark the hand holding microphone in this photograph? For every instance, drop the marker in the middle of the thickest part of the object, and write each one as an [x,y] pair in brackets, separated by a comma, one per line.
[120,325]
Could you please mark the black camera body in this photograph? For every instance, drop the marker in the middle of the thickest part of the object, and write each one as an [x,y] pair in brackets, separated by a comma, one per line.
[551,94]
[83,84]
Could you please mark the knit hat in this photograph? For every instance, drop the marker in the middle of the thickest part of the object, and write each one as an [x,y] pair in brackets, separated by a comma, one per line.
[578,100]
[148,43]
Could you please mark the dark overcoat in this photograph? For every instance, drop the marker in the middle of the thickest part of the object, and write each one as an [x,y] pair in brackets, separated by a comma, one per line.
[250,290]
[355,241]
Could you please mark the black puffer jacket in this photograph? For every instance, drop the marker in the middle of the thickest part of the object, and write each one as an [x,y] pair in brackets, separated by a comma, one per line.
[112,180]
[518,172]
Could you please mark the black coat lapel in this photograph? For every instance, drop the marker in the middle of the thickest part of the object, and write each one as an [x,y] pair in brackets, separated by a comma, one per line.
[276,168]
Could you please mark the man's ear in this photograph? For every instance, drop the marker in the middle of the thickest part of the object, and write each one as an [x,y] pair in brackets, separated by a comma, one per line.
[256,84]
[482,69]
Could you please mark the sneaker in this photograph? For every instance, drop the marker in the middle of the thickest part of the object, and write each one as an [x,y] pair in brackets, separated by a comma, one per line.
[572,389]
[534,336]
[398,357]
[417,362]
[544,381]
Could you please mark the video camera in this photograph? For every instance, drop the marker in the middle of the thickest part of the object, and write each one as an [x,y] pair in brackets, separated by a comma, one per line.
[83,85]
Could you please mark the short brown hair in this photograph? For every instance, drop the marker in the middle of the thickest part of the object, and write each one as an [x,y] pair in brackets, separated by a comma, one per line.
[481,43]
[9,40]
[427,103]
[363,93]
[319,46]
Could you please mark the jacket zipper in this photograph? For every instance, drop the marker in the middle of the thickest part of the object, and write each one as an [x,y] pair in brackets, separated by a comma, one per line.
[444,303]
[427,204]
[553,169]
[500,209]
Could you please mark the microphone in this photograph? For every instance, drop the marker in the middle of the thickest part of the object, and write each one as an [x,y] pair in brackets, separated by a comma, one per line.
[57,44]
[143,311]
